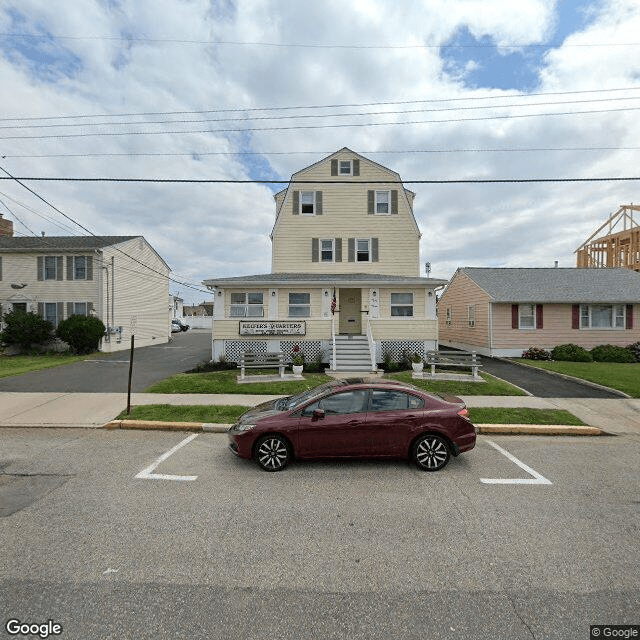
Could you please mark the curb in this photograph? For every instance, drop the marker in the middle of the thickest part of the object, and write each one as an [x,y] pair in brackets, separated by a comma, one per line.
[540,430]
[167,426]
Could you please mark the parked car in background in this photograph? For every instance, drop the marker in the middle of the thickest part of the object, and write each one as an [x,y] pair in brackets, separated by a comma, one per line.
[177,325]
[355,418]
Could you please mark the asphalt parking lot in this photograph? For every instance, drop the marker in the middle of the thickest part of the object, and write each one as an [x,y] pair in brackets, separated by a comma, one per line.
[336,549]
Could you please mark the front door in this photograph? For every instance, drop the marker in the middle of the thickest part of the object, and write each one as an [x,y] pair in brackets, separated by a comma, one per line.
[350,316]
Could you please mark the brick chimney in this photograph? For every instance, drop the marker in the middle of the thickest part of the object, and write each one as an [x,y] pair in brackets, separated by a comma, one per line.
[6,227]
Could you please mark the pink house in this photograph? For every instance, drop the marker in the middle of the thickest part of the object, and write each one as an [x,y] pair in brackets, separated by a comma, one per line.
[503,312]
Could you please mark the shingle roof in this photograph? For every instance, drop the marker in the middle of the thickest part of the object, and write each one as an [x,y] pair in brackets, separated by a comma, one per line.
[47,243]
[557,285]
[325,278]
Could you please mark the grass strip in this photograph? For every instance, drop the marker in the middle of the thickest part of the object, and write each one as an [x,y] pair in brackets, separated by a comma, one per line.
[225,414]
[490,387]
[17,365]
[520,415]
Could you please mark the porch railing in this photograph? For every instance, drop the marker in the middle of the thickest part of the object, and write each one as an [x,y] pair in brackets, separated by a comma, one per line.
[333,343]
[372,345]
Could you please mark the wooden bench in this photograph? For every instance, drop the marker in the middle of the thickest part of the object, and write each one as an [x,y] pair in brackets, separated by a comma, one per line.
[262,361]
[466,359]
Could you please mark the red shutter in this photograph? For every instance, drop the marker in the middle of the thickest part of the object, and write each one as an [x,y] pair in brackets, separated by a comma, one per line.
[629,316]
[575,316]
[514,316]
[539,319]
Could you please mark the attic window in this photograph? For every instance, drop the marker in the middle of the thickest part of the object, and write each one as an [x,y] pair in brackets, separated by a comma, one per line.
[307,203]
[345,168]
[383,201]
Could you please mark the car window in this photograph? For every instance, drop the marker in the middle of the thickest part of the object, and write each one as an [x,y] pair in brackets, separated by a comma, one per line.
[382,400]
[345,402]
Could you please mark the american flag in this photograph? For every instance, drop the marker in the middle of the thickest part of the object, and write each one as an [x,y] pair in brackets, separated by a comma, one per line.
[333,303]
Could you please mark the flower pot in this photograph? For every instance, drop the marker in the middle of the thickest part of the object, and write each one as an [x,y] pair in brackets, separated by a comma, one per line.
[417,366]
[297,369]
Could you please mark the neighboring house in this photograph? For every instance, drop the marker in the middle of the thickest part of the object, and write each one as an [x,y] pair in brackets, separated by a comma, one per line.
[176,307]
[58,276]
[202,309]
[502,312]
[345,264]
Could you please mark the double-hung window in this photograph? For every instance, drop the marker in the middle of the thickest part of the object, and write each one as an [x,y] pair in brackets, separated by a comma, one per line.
[363,250]
[527,316]
[80,268]
[602,316]
[471,315]
[327,250]
[50,268]
[246,305]
[307,203]
[383,202]
[51,313]
[345,168]
[448,317]
[299,305]
[402,304]
[80,309]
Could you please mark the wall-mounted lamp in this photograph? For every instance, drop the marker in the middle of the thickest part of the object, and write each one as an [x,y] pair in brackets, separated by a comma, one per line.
[219,293]
[430,294]
[375,293]
[326,294]
[273,294]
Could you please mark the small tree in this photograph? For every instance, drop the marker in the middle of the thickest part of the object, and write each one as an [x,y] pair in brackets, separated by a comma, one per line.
[25,329]
[81,333]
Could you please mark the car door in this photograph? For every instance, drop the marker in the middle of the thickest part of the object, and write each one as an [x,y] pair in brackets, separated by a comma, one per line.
[339,432]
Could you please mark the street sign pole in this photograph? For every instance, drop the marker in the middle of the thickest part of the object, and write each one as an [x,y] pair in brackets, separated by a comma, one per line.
[133,323]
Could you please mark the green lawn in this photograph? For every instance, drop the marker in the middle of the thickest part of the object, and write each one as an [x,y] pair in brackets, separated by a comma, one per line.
[506,415]
[191,413]
[16,365]
[624,377]
[491,387]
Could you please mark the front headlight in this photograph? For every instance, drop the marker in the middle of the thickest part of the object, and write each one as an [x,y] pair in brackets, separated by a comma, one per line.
[243,427]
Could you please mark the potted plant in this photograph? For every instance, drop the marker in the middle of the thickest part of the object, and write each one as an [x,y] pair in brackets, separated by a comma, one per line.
[297,361]
[417,364]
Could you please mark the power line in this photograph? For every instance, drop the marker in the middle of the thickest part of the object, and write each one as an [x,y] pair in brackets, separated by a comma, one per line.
[310,127]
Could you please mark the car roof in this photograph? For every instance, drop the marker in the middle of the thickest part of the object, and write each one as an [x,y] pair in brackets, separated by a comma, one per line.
[376,383]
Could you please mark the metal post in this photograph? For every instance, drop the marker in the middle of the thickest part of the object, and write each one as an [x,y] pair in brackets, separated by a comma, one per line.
[130,373]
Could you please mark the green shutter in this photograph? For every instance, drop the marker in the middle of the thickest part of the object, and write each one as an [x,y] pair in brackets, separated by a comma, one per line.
[371,202]
[89,267]
[69,267]
[60,268]
[315,250]
[351,244]
[334,167]
[394,202]
[318,203]
[356,167]
[296,203]
[338,250]
[374,249]
[40,268]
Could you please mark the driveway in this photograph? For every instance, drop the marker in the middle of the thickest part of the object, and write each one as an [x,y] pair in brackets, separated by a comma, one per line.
[542,384]
[108,372]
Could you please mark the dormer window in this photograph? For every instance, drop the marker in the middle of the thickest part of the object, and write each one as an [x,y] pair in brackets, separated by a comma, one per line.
[346,168]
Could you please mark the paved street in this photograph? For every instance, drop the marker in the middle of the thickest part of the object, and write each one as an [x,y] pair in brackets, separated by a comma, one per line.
[108,372]
[322,550]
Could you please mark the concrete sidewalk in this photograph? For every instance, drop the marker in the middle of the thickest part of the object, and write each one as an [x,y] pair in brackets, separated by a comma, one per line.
[94,410]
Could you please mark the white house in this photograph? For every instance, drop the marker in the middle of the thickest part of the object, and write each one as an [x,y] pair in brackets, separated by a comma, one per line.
[345,273]
[120,279]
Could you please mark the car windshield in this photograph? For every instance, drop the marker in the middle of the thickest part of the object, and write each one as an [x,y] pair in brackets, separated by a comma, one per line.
[295,401]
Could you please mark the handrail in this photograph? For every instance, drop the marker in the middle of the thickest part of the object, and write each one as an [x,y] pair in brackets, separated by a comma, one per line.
[333,340]
[372,345]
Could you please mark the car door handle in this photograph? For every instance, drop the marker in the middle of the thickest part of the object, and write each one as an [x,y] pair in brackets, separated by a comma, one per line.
[354,423]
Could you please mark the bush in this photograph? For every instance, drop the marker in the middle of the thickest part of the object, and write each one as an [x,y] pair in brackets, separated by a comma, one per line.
[635,349]
[24,329]
[535,353]
[571,353]
[222,364]
[611,353]
[81,333]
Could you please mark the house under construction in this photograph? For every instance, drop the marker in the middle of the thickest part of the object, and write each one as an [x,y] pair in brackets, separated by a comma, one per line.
[619,248]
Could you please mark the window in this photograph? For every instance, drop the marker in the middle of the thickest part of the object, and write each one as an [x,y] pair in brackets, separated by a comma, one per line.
[79,309]
[246,305]
[394,401]
[299,305]
[471,315]
[50,268]
[363,250]
[20,306]
[307,203]
[345,167]
[80,268]
[402,304]
[602,316]
[344,403]
[526,316]
[51,312]
[326,250]
[448,317]
[383,202]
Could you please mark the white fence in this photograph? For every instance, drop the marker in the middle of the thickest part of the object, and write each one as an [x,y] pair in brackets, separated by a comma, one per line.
[199,322]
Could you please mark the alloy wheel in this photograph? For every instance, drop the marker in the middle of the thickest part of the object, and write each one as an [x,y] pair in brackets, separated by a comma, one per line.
[431,453]
[272,453]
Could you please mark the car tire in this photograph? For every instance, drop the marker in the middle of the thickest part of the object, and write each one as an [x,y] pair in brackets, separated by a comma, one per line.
[272,453]
[431,452]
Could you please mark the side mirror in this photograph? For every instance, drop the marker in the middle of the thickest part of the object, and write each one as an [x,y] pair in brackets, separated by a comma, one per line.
[318,414]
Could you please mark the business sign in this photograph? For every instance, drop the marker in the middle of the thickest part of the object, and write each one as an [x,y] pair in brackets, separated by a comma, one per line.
[272,328]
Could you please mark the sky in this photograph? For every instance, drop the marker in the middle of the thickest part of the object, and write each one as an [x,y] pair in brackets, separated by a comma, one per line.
[259,89]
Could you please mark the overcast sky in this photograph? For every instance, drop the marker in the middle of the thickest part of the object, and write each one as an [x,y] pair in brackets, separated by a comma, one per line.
[433,89]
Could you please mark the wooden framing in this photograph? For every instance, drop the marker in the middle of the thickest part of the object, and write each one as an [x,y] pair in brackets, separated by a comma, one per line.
[615,249]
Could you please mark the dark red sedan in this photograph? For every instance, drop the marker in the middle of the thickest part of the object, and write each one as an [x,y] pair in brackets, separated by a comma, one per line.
[355,419]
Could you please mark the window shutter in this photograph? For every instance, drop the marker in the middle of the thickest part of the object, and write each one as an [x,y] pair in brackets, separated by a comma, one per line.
[69,267]
[394,202]
[356,167]
[334,167]
[539,316]
[40,269]
[315,250]
[629,316]
[371,202]
[338,250]
[59,311]
[374,249]
[575,316]
[60,268]
[89,308]
[514,316]
[41,309]
[352,249]
[89,267]
[296,203]
[69,309]
[318,203]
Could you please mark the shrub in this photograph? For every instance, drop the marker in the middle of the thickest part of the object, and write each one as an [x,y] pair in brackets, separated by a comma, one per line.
[221,364]
[611,353]
[24,329]
[81,333]
[535,353]
[571,353]
[635,349]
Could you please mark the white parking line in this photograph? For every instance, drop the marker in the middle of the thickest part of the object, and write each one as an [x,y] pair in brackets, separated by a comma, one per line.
[537,478]
[147,474]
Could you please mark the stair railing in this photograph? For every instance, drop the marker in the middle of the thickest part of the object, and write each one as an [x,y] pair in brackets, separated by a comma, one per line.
[333,341]
[372,345]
